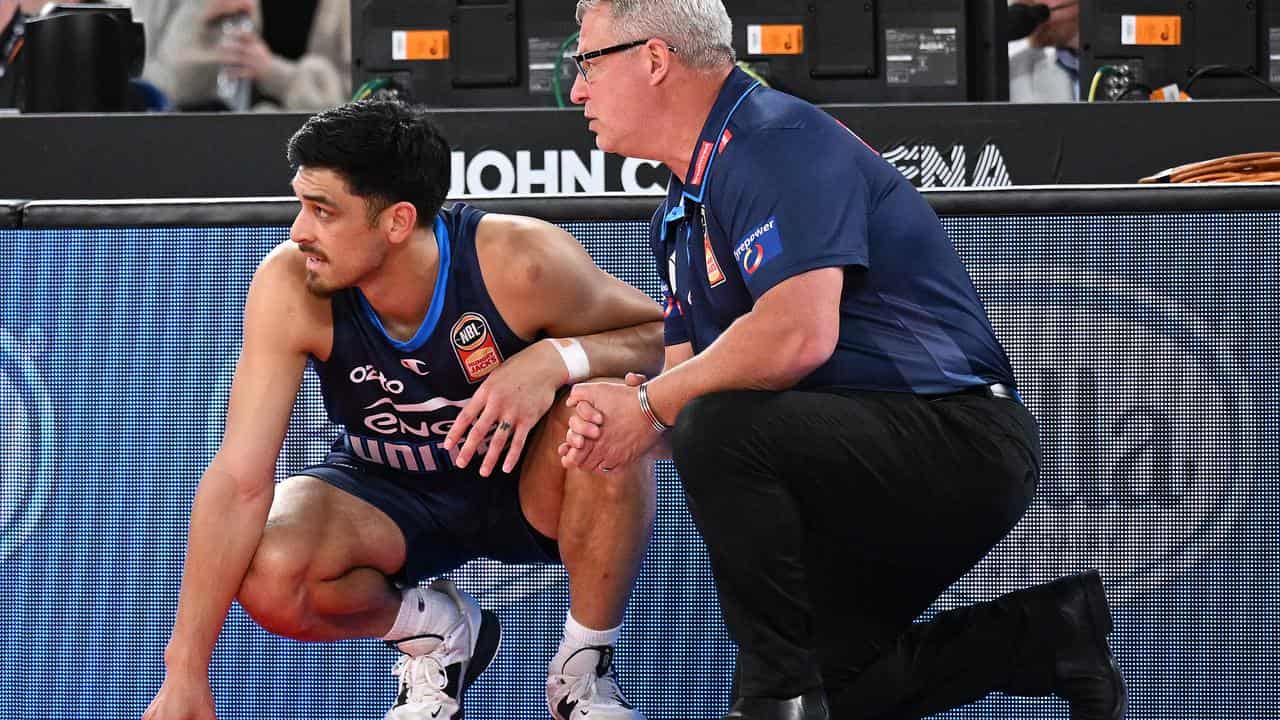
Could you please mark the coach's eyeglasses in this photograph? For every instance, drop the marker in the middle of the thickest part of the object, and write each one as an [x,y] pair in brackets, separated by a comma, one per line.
[583,61]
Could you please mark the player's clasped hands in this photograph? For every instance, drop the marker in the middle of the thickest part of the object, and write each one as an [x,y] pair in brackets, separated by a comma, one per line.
[506,408]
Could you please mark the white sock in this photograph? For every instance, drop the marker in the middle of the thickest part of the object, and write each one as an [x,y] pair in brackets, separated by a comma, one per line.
[425,616]
[574,657]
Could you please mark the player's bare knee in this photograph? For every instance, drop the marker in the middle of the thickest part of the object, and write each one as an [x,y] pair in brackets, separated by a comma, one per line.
[274,590]
[278,609]
[620,486]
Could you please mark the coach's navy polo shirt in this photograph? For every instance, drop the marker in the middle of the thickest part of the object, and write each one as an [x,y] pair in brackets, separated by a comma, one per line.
[776,187]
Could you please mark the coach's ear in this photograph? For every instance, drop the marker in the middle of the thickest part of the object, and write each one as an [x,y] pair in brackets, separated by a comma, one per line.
[661,58]
[399,221]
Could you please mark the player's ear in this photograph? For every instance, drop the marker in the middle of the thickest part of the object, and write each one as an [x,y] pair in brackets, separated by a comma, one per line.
[400,219]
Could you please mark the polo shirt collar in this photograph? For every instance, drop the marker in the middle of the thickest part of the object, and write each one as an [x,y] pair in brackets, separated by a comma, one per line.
[737,86]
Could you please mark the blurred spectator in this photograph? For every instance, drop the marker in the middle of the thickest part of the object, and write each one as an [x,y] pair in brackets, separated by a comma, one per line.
[1045,67]
[13,15]
[155,16]
[298,58]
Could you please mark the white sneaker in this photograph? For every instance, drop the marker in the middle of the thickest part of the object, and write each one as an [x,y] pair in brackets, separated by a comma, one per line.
[593,695]
[431,685]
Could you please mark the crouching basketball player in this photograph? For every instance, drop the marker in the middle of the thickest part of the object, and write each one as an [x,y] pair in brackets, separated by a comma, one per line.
[441,338]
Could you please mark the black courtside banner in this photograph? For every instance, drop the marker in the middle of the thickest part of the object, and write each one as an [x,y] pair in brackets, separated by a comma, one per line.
[549,151]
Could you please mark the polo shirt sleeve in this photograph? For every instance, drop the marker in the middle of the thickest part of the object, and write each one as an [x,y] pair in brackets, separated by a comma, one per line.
[792,200]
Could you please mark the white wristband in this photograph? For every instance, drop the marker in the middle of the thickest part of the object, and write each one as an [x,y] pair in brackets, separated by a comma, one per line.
[575,358]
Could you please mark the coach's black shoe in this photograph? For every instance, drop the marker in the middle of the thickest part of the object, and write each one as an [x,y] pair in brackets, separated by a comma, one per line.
[1085,673]
[432,684]
[809,706]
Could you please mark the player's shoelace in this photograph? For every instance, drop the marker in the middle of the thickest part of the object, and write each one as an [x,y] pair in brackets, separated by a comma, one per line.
[422,682]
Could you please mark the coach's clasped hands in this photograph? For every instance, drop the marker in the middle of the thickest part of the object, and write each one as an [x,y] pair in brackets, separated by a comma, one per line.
[591,443]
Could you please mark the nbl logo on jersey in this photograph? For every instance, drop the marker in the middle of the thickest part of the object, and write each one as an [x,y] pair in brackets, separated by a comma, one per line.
[475,347]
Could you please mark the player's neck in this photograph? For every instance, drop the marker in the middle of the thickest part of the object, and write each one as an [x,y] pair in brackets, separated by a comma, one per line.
[400,291]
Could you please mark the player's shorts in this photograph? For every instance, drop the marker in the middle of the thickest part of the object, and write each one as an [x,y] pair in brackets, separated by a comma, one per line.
[447,517]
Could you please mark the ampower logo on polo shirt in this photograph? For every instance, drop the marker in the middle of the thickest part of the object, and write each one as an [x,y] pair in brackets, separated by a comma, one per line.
[759,246]
[27,438]
[1148,458]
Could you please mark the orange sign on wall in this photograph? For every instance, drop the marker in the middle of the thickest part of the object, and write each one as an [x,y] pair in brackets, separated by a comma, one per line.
[775,39]
[420,45]
[1151,29]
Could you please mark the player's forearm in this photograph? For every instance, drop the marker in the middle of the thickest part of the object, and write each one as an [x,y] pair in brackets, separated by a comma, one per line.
[755,353]
[226,525]
[614,353]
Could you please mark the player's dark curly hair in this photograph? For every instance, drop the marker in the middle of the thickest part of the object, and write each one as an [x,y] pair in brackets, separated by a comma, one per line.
[388,151]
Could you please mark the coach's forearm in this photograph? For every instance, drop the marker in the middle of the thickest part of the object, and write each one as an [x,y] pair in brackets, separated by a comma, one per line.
[756,352]
[227,520]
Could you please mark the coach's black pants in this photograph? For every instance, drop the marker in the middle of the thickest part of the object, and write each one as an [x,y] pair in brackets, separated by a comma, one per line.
[833,521]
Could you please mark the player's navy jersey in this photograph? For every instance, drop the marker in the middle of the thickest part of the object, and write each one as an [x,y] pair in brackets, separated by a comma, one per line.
[397,400]
[775,188]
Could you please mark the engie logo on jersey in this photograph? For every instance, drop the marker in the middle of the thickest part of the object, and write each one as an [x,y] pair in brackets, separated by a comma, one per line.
[474,345]
[759,247]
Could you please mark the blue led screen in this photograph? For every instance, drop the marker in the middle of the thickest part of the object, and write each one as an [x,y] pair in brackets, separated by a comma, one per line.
[1145,344]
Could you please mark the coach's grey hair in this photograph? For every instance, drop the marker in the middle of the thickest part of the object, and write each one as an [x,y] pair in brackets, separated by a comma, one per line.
[699,30]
